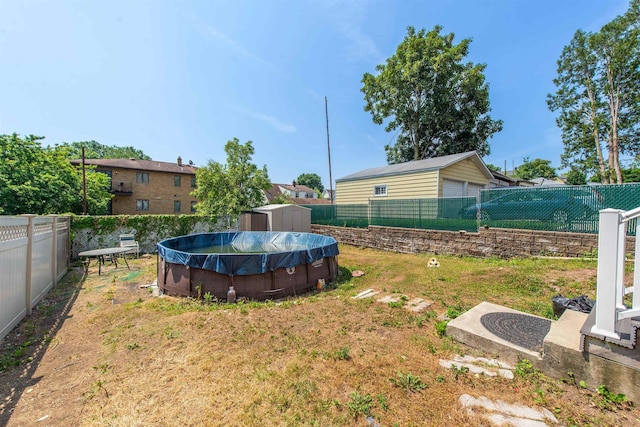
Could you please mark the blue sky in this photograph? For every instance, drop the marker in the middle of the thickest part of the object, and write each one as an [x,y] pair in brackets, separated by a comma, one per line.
[181,78]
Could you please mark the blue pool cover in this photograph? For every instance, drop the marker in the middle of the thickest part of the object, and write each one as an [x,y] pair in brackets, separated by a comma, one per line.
[258,251]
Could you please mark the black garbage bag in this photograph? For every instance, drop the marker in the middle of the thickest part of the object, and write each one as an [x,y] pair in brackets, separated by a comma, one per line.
[581,304]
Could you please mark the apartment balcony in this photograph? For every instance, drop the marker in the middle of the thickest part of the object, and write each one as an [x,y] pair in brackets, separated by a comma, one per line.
[121,188]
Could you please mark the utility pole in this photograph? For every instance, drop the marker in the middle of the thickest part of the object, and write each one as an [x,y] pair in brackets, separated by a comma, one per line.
[326,111]
[84,186]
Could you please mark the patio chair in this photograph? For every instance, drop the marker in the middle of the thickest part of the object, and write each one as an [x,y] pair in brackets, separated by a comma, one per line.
[129,241]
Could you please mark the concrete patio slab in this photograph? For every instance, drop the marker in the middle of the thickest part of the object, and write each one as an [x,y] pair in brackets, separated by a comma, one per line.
[468,329]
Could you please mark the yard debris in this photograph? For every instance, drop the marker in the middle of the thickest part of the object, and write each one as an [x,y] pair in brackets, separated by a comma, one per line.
[433,263]
[581,304]
[389,298]
[357,273]
[479,365]
[500,413]
[417,305]
[366,294]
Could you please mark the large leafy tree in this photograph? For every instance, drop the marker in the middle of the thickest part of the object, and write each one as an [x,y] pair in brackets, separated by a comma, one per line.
[311,180]
[95,150]
[576,177]
[226,190]
[41,180]
[535,168]
[597,96]
[438,104]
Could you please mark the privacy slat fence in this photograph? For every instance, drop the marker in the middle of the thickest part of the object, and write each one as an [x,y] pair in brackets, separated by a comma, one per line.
[557,208]
[34,255]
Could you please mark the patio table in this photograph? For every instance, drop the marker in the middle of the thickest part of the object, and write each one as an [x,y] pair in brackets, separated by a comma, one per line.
[100,254]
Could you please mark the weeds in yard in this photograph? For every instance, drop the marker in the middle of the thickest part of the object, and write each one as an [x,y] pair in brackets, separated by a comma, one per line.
[610,401]
[441,327]
[13,356]
[360,404]
[525,369]
[98,385]
[341,354]
[458,371]
[209,299]
[382,401]
[408,382]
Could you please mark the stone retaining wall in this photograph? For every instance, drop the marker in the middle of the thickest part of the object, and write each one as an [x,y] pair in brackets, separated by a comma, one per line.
[498,242]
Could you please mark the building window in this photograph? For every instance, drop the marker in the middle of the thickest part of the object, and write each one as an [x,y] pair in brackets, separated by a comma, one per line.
[142,177]
[193,207]
[379,190]
[193,182]
[142,205]
[176,206]
[176,180]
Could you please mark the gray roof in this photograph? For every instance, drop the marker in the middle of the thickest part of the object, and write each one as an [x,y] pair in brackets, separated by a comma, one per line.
[138,164]
[414,166]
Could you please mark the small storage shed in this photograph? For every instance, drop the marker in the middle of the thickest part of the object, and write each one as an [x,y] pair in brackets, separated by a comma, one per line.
[286,217]
[253,221]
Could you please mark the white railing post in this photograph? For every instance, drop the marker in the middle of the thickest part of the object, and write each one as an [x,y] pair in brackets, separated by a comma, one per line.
[620,260]
[636,270]
[607,282]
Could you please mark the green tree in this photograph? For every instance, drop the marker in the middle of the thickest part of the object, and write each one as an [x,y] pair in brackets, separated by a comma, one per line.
[281,199]
[41,180]
[598,87]
[535,168]
[232,188]
[95,150]
[631,175]
[311,180]
[576,177]
[493,168]
[438,104]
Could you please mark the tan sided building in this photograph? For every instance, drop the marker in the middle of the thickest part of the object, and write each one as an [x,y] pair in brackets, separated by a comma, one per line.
[142,187]
[456,175]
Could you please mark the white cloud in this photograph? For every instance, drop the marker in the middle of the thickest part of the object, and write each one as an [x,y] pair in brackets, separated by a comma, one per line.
[209,31]
[270,120]
[349,17]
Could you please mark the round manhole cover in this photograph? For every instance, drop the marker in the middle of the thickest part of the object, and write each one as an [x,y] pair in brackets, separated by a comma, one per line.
[519,329]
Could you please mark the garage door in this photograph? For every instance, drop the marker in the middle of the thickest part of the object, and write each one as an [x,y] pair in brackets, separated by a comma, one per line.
[473,190]
[452,188]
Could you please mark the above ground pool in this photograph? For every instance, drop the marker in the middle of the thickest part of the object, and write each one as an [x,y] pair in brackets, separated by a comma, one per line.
[259,265]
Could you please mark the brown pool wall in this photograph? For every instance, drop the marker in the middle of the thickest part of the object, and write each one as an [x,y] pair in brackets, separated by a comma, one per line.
[181,280]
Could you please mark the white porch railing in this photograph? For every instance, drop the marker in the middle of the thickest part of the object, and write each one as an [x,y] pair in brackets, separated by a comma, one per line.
[610,307]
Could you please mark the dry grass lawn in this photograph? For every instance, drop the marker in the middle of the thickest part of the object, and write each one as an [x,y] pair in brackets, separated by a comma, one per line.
[101,351]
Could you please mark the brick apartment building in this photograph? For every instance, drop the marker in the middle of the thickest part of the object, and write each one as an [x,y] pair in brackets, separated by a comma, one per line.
[142,187]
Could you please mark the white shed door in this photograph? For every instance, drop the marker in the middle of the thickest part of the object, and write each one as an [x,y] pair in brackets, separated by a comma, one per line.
[452,188]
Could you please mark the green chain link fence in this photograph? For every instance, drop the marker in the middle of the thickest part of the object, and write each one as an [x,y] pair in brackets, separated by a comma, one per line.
[558,208]
[434,214]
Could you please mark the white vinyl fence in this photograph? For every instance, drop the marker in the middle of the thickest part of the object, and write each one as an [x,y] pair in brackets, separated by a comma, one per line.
[34,255]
